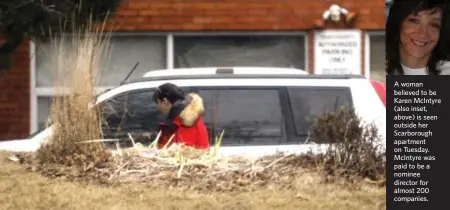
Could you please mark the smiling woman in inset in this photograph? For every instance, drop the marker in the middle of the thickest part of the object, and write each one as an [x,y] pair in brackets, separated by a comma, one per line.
[415,33]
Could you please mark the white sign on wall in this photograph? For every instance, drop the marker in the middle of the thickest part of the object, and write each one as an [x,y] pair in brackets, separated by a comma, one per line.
[337,52]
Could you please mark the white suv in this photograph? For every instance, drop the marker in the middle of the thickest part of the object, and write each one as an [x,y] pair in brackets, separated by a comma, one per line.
[263,110]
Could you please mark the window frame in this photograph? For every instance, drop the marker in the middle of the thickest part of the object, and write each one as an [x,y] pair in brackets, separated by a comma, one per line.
[367,41]
[284,134]
[36,92]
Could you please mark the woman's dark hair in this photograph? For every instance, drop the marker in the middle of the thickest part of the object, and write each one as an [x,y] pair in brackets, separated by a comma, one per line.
[170,91]
[398,12]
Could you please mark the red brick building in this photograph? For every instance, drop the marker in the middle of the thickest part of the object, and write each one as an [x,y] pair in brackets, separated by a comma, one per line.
[174,33]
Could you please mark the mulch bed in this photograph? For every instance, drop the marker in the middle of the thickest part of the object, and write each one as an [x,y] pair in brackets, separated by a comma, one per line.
[189,169]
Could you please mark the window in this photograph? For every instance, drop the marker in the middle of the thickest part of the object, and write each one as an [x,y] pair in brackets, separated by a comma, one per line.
[377,58]
[44,103]
[261,51]
[248,116]
[309,103]
[119,57]
[134,113]
[47,58]
[126,51]
[122,53]
[160,52]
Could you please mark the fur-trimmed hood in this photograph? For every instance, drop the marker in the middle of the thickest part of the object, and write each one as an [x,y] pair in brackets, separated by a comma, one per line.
[189,110]
[193,110]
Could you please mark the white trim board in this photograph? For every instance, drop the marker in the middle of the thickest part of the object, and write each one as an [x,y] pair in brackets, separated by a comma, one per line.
[210,33]
[233,33]
[307,56]
[33,97]
[50,91]
[170,51]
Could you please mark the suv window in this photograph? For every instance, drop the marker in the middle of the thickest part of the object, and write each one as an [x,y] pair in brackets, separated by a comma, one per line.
[310,102]
[132,112]
[249,116]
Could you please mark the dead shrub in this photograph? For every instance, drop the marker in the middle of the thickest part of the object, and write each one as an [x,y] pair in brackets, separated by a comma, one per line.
[73,119]
[354,146]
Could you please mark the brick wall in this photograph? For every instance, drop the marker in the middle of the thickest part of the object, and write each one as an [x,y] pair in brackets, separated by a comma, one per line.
[15,96]
[186,15]
[238,15]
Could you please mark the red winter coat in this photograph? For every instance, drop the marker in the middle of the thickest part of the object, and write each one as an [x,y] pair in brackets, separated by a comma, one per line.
[185,120]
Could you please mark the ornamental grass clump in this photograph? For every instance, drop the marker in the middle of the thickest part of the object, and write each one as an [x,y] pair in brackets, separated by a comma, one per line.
[76,61]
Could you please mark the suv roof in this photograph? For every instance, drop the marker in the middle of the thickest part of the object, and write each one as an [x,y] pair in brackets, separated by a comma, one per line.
[235,73]
[220,70]
[245,76]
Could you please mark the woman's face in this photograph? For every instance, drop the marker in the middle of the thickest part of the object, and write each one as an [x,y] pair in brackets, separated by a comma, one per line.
[164,106]
[419,33]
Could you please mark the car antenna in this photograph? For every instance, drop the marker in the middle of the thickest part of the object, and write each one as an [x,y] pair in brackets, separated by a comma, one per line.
[129,74]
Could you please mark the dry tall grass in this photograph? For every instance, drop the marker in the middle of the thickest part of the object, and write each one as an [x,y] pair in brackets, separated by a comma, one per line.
[76,72]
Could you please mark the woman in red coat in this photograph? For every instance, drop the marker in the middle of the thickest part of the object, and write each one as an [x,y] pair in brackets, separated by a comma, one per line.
[184,117]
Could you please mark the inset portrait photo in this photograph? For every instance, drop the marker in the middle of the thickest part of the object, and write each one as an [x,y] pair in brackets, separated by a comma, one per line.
[417,38]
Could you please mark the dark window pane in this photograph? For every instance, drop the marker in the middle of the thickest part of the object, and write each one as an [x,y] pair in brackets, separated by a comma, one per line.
[126,51]
[378,58]
[134,113]
[115,62]
[249,116]
[264,51]
[308,103]
[44,109]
